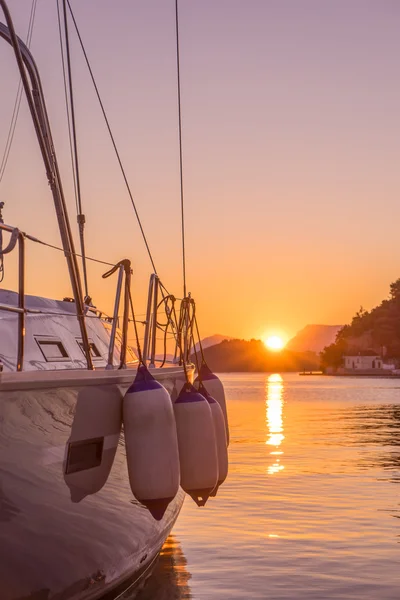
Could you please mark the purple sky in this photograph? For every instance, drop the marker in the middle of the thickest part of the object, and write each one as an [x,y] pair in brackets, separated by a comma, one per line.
[291,125]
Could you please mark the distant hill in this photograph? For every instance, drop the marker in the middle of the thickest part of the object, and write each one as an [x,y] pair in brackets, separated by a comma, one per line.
[313,338]
[241,355]
[212,340]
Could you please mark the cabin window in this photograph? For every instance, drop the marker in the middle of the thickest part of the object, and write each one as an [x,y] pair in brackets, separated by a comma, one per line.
[52,349]
[94,351]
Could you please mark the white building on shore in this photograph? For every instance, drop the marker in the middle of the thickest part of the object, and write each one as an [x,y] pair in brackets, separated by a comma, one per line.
[362,363]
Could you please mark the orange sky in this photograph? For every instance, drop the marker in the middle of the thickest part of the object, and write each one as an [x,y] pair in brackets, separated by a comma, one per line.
[291,146]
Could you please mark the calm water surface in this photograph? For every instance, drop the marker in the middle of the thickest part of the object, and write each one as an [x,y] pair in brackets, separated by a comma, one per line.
[310,509]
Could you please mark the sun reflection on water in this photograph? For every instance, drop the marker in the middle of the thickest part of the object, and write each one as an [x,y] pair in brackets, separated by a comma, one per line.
[274,420]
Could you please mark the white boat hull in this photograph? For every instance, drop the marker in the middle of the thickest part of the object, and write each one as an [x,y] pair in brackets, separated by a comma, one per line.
[54,545]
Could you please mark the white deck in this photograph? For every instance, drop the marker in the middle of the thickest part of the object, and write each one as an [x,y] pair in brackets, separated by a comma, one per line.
[80,377]
[54,321]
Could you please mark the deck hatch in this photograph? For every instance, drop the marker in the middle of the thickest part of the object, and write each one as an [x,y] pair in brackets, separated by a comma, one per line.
[94,351]
[52,349]
[84,454]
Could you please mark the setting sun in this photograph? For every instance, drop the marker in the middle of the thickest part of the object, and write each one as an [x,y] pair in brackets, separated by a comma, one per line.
[274,342]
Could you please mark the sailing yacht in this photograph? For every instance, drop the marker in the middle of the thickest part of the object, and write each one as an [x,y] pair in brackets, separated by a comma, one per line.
[70,526]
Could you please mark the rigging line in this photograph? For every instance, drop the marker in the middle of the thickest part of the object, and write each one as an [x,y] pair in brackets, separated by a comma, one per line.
[199,339]
[185,328]
[169,321]
[11,130]
[162,287]
[80,216]
[196,352]
[179,340]
[67,105]
[190,329]
[96,260]
[112,139]
[180,146]
[17,104]
[200,342]
[139,350]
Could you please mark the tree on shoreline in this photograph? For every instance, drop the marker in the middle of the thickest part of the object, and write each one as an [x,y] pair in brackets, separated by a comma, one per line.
[376,331]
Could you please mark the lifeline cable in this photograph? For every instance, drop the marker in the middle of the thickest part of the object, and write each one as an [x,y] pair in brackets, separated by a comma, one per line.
[96,260]
[112,138]
[36,240]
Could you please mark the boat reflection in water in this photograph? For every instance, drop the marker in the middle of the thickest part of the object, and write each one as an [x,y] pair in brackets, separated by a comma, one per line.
[170,578]
[274,421]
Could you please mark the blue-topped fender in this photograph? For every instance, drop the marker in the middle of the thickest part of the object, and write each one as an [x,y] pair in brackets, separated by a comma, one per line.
[205,373]
[215,388]
[220,436]
[151,442]
[143,381]
[189,394]
[197,444]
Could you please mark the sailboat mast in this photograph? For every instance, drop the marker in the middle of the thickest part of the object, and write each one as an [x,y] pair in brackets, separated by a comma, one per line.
[40,120]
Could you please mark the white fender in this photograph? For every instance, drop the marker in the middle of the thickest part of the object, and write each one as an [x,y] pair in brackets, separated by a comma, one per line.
[214,387]
[197,444]
[151,443]
[94,439]
[220,437]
